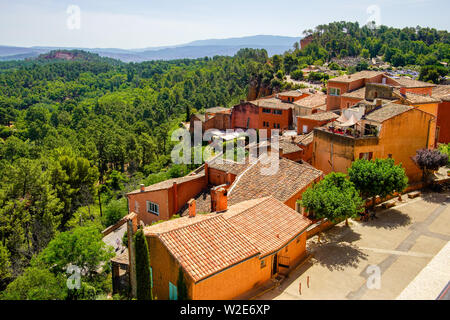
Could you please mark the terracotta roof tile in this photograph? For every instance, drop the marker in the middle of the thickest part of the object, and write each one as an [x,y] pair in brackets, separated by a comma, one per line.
[272,103]
[294,93]
[269,225]
[387,112]
[356,94]
[356,76]
[208,246]
[321,116]
[442,92]
[290,178]
[410,83]
[169,183]
[313,101]
[218,110]
[227,166]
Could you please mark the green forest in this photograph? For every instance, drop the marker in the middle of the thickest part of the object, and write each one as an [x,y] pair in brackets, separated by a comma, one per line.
[76,136]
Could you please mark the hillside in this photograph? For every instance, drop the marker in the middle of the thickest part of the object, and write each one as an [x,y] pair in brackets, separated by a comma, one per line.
[193,50]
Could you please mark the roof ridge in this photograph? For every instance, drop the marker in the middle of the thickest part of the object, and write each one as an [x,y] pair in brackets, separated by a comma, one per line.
[208,216]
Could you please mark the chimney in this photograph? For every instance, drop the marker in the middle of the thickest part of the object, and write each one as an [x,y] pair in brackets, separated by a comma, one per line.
[191,204]
[229,182]
[206,173]
[142,187]
[175,197]
[378,102]
[219,199]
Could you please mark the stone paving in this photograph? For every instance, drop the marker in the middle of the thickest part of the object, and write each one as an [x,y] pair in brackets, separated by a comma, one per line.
[397,246]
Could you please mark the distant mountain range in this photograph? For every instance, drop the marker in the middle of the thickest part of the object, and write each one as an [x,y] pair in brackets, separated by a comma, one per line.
[191,50]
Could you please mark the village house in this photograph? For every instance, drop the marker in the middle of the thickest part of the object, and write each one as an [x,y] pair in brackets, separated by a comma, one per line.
[277,112]
[345,91]
[161,201]
[223,255]
[306,124]
[266,113]
[388,131]
[214,118]
[443,116]
[314,103]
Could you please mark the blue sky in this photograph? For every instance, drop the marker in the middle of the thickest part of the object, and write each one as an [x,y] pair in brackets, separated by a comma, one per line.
[140,23]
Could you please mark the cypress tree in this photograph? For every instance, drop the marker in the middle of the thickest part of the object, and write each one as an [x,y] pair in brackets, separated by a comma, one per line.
[144,291]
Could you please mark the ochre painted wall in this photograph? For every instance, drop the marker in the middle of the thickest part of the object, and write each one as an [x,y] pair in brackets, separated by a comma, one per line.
[284,119]
[166,200]
[137,204]
[347,102]
[245,113]
[443,122]
[334,102]
[225,285]
[310,123]
[400,137]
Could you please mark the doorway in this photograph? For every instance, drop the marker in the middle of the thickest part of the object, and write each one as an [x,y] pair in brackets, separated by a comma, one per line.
[275,264]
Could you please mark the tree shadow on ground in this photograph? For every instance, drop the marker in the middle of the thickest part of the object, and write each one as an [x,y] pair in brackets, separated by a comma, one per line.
[337,256]
[342,233]
[436,194]
[390,219]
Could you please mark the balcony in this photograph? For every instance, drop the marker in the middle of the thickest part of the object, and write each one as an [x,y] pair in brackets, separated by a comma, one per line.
[350,133]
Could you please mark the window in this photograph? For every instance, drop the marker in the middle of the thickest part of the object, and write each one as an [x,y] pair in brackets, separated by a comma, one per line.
[276,126]
[335,92]
[265,110]
[279,112]
[173,291]
[298,207]
[265,124]
[305,128]
[263,263]
[366,155]
[390,155]
[151,277]
[152,208]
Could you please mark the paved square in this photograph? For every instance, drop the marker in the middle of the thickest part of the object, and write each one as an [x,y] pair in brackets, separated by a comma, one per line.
[401,242]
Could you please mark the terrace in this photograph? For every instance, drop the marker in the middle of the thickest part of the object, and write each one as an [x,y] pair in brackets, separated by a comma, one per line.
[359,130]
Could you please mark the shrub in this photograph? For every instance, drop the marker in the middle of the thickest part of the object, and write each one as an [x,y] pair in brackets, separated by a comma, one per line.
[114,211]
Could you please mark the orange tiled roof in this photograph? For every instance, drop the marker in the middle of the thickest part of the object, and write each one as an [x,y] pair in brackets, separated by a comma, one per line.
[356,76]
[208,246]
[313,101]
[294,93]
[442,92]
[321,116]
[227,166]
[289,179]
[273,103]
[269,225]
[415,98]
[411,83]
[168,183]
[356,94]
[387,112]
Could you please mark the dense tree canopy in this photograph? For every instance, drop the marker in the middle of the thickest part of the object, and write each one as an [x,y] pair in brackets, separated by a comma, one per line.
[380,177]
[334,198]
